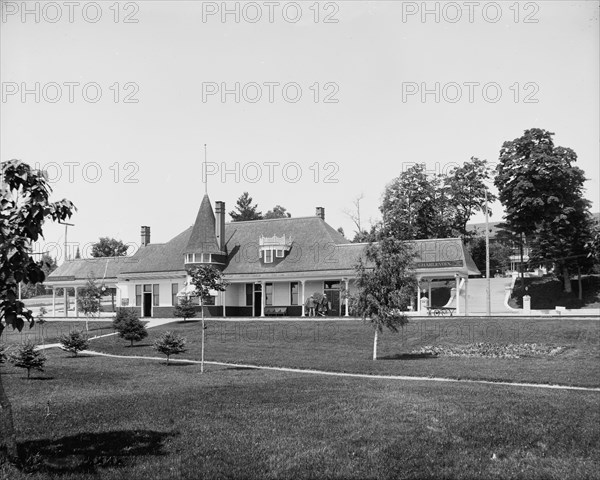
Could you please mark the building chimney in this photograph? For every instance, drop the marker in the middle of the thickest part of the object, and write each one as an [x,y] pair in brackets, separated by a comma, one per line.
[145,236]
[321,213]
[220,224]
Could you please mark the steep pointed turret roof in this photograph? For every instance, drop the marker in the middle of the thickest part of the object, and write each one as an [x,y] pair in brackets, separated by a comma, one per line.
[203,238]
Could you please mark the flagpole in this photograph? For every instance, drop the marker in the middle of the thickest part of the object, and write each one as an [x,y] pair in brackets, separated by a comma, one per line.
[205,177]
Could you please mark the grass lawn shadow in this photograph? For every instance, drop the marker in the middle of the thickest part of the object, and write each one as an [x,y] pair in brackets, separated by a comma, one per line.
[409,356]
[86,452]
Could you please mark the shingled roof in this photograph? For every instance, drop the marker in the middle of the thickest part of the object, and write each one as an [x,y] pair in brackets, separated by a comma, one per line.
[203,238]
[315,247]
[83,268]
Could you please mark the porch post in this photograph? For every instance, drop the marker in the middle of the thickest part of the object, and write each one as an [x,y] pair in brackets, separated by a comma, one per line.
[223,300]
[54,301]
[346,299]
[302,301]
[66,301]
[262,298]
[76,307]
[418,308]
[466,295]
[429,292]
[458,295]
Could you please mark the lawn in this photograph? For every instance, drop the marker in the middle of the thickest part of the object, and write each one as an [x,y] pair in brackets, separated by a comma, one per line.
[94,417]
[346,346]
[50,332]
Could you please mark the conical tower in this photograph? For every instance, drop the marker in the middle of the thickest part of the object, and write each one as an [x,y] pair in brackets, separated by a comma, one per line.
[206,244]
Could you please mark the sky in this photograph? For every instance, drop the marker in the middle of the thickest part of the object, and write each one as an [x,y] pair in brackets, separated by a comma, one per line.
[301,104]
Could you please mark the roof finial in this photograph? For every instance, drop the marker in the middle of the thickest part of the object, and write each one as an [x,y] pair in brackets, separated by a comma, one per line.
[205,176]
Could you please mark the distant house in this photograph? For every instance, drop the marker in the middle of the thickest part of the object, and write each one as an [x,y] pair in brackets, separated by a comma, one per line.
[272,265]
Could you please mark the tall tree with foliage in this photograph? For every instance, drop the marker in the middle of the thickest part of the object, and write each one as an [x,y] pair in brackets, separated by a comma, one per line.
[411,205]
[24,207]
[245,210]
[48,266]
[278,212]
[542,192]
[466,189]
[206,278]
[499,254]
[109,247]
[385,284]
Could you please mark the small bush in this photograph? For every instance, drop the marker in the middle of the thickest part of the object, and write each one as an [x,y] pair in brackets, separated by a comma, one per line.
[41,317]
[75,341]
[3,353]
[129,326]
[185,309]
[27,356]
[170,343]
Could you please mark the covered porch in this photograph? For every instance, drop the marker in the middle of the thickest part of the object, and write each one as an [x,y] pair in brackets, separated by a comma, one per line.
[282,296]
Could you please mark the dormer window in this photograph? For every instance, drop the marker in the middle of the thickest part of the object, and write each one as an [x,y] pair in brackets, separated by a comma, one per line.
[274,247]
[198,257]
[268,256]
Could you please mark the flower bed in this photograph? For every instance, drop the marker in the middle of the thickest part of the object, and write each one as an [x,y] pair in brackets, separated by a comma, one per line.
[492,350]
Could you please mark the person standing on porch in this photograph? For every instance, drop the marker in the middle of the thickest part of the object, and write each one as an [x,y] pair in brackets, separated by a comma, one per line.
[323,306]
[310,305]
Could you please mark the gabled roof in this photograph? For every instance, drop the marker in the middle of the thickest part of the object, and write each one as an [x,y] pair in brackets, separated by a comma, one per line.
[83,268]
[443,255]
[314,248]
[203,238]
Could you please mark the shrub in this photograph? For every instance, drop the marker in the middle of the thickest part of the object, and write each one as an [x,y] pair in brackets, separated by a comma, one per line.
[75,341]
[170,343]
[129,326]
[27,356]
[41,317]
[185,309]
[3,353]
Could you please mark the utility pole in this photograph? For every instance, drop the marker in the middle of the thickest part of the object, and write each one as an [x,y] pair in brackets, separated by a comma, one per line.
[65,290]
[487,259]
[67,225]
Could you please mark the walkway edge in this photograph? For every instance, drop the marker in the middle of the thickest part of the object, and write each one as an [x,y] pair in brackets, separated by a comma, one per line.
[358,375]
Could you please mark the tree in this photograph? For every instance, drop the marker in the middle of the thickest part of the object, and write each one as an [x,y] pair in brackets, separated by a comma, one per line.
[245,210]
[466,189]
[185,309]
[206,278]
[77,253]
[278,212]
[593,245]
[109,247]
[24,206]
[28,356]
[385,285]
[170,343]
[89,298]
[3,353]
[411,205]
[361,235]
[74,341]
[30,290]
[129,326]
[499,254]
[542,192]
